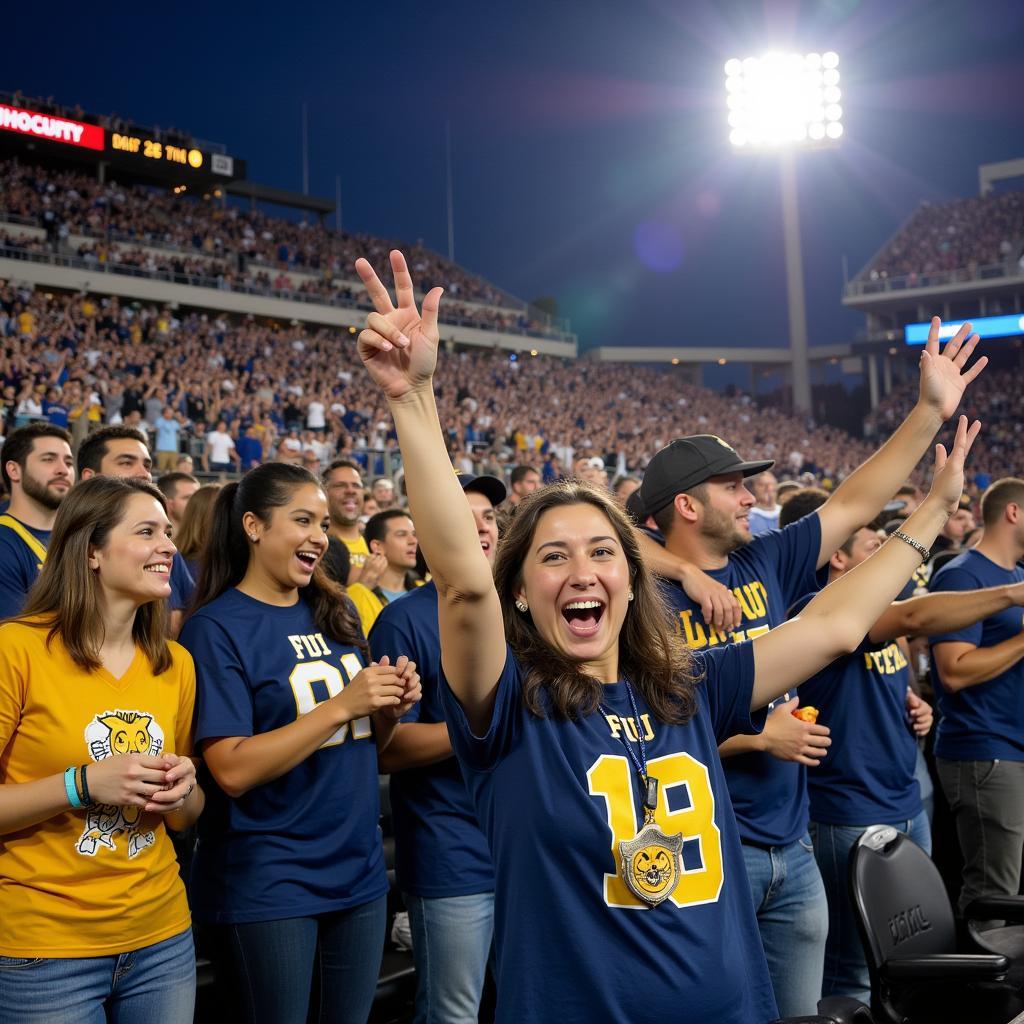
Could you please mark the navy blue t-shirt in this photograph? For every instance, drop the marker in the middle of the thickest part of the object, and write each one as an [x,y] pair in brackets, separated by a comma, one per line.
[307,842]
[983,722]
[19,568]
[767,576]
[439,847]
[554,799]
[182,585]
[867,776]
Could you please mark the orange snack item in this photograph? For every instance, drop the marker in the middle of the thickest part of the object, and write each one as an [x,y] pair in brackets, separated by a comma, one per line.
[807,714]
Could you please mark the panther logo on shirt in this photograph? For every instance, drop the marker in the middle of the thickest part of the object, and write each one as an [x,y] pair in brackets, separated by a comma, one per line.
[107,735]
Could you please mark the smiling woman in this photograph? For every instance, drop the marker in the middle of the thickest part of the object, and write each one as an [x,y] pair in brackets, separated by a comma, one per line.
[87,675]
[588,736]
[289,721]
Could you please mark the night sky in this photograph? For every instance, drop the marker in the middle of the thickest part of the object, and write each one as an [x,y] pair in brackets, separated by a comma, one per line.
[589,145]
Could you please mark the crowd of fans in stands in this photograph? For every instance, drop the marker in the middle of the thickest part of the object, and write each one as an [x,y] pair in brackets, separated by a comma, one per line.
[84,359]
[963,234]
[229,247]
[996,400]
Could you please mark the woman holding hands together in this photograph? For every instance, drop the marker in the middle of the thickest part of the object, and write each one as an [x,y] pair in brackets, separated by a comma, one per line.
[95,733]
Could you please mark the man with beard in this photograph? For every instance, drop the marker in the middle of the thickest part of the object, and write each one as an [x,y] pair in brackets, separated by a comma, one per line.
[694,488]
[38,470]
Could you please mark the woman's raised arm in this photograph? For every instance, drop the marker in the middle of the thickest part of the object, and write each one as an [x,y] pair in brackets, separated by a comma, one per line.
[839,618]
[399,349]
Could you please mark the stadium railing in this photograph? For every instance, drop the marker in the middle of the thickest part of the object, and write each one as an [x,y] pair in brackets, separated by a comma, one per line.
[906,282]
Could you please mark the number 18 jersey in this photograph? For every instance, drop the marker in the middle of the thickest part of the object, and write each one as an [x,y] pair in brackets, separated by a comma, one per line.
[555,798]
[306,842]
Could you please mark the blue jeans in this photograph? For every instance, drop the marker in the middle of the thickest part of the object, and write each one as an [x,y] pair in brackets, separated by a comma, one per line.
[155,983]
[792,917]
[269,965]
[846,970]
[451,941]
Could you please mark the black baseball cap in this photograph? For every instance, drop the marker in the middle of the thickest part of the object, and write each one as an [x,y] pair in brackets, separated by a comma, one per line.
[489,486]
[687,462]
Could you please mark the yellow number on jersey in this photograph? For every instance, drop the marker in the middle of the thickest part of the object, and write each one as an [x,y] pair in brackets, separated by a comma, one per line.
[613,777]
[302,678]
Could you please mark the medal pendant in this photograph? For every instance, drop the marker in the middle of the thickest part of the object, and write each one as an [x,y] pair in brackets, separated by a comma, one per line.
[651,864]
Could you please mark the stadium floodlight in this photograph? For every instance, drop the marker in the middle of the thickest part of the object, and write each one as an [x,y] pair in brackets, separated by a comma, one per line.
[784,99]
[784,102]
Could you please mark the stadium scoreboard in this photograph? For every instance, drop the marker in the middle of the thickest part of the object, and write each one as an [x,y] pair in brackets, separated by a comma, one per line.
[172,163]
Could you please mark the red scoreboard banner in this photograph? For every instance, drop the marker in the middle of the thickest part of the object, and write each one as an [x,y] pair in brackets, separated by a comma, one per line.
[51,128]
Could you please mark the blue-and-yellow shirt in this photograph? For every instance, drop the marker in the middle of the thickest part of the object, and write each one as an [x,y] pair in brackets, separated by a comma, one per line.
[554,799]
[304,843]
[767,576]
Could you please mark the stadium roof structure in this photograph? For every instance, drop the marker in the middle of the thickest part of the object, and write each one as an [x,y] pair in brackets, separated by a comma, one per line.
[281,197]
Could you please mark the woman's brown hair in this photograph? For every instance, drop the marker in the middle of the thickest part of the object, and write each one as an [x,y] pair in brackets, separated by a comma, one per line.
[66,599]
[652,656]
[225,554]
[195,522]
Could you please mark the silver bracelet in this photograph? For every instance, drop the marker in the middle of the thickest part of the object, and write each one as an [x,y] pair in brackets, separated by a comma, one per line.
[915,544]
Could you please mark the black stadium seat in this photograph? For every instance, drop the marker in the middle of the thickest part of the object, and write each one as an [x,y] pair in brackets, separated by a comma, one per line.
[918,974]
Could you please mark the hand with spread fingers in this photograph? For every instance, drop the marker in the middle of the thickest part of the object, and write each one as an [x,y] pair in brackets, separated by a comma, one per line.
[948,482]
[399,343]
[944,377]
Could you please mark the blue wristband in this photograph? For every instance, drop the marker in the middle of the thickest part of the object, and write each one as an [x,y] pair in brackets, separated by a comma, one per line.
[70,788]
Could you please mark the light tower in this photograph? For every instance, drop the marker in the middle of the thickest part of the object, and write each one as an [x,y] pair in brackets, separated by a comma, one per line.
[784,102]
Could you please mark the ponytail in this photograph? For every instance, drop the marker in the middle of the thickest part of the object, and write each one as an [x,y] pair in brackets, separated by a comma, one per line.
[226,552]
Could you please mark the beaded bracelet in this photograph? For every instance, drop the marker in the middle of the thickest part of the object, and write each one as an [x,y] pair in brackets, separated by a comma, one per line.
[915,544]
[71,788]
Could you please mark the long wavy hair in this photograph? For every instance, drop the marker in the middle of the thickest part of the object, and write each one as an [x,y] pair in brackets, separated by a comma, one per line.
[652,656]
[226,553]
[67,597]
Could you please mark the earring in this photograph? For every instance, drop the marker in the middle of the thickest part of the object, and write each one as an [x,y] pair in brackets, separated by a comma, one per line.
[253,538]
[522,606]
[629,596]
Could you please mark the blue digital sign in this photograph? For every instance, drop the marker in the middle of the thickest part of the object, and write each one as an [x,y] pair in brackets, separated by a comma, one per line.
[984,327]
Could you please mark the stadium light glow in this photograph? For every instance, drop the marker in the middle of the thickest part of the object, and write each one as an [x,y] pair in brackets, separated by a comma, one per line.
[783,99]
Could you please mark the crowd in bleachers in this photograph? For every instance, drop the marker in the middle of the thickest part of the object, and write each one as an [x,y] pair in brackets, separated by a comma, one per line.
[996,400]
[74,355]
[231,247]
[962,234]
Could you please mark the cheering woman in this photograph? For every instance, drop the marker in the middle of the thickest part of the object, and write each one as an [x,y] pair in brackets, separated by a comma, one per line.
[289,869]
[587,732]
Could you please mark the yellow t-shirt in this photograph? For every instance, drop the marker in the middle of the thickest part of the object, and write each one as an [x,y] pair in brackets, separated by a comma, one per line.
[367,603]
[104,879]
[358,552]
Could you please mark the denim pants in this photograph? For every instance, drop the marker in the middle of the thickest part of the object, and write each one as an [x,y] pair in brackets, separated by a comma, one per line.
[792,917]
[269,965]
[987,801]
[155,983]
[846,970]
[451,942]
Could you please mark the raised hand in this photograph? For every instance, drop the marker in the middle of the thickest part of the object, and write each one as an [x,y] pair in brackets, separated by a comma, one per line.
[943,377]
[399,343]
[948,482]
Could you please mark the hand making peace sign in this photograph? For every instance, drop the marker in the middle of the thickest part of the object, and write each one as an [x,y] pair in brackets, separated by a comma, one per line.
[399,344]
